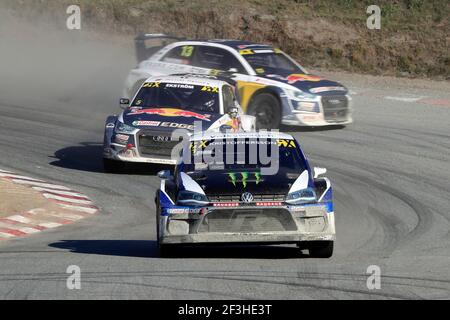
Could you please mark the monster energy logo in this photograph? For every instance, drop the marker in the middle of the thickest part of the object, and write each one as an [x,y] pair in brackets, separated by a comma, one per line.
[244,177]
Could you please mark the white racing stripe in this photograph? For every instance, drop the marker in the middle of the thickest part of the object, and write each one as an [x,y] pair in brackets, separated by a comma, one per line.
[68,216]
[81,209]
[28,230]
[6,235]
[65,193]
[16,176]
[50,225]
[65,199]
[44,185]
[18,218]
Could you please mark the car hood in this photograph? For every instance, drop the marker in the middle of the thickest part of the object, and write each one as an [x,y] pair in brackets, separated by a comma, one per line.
[238,182]
[171,118]
[309,83]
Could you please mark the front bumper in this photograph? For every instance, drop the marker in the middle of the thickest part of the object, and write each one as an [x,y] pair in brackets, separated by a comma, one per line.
[121,153]
[321,112]
[248,224]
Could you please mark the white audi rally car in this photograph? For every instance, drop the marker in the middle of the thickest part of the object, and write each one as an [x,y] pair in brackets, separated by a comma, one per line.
[163,104]
[271,85]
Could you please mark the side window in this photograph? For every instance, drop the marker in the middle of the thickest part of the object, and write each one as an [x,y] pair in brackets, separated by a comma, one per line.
[216,58]
[180,55]
[228,98]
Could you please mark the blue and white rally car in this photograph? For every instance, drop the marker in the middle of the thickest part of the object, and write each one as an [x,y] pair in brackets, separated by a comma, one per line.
[225,191]
[272,86]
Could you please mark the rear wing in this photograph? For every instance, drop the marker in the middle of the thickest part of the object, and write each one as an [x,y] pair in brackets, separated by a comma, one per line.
[144,49]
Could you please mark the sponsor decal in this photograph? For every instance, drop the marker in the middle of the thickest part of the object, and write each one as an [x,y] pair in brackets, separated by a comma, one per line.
[244,178]
[186,210]
[169,112]
[179,85]
[110,126]
[324,89]
[244,52]
[311,118]
[161,138]
[293,78]
[177,125]
[268,204]
[210,89]
[146,123]
[151,84]
[286,143]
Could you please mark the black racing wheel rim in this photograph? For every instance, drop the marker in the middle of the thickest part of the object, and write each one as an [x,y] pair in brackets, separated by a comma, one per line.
[264,114]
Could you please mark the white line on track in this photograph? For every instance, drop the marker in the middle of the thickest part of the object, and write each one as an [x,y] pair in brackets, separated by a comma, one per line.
[65,199]
[81,209]
[44,185]
[65,193]
[404,99]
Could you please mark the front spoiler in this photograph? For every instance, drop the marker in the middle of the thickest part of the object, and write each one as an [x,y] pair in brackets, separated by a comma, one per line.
[236,237]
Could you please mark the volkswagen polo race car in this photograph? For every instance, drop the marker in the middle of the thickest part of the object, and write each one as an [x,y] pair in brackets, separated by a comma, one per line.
[210,200]
[272,86]
[143,131]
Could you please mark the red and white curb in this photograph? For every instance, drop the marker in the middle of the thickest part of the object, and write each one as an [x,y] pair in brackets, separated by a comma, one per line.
[76,206]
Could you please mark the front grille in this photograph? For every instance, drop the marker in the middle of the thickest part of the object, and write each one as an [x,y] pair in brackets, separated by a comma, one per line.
[248,220]
[237,197]
[335,108]
[156,143]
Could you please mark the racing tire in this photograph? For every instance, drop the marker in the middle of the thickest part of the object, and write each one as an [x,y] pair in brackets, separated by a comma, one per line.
[164,250]
[267,110]
[113,166]
[321,249]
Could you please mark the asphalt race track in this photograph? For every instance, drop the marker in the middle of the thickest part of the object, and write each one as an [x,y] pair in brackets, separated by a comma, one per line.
[390,170]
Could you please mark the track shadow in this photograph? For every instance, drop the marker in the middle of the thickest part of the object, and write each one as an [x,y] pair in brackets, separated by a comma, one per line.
[87,156]
[285,128]
[148,249]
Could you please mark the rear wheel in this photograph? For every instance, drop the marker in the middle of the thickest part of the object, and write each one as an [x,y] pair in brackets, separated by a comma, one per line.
[164,250]
[113,166]
[321,249]
[266,108]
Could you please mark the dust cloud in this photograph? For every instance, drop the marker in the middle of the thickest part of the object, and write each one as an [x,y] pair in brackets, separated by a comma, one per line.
[43,64]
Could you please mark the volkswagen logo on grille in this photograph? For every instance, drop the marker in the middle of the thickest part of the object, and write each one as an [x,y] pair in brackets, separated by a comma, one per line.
[247,197]
[161,138]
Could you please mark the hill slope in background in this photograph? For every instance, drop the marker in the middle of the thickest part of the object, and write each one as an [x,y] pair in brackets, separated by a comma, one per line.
[414,39]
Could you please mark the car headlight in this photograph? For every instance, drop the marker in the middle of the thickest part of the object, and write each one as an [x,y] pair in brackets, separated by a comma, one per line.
[300,95]
[124,128]
[301,196]
[192,198]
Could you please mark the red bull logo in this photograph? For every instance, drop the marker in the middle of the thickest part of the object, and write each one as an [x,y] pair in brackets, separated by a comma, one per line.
[168,112]
[293,78]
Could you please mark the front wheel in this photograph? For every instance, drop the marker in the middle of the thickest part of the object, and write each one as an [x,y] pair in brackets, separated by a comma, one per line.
[321,249]
[266,108]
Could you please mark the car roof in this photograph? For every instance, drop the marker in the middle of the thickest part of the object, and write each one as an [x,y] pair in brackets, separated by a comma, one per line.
[234,44]
[192,79]
[241,135]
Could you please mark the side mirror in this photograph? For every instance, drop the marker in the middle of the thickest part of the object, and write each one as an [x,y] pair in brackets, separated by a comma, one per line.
[124,103]
[319,171]
[165,175]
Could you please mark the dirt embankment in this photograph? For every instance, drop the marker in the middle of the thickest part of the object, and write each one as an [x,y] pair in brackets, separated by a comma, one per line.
[414,39]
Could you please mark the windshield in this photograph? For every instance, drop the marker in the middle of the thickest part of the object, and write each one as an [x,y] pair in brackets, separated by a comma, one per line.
[244,153]
[271,62]
[179,96]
